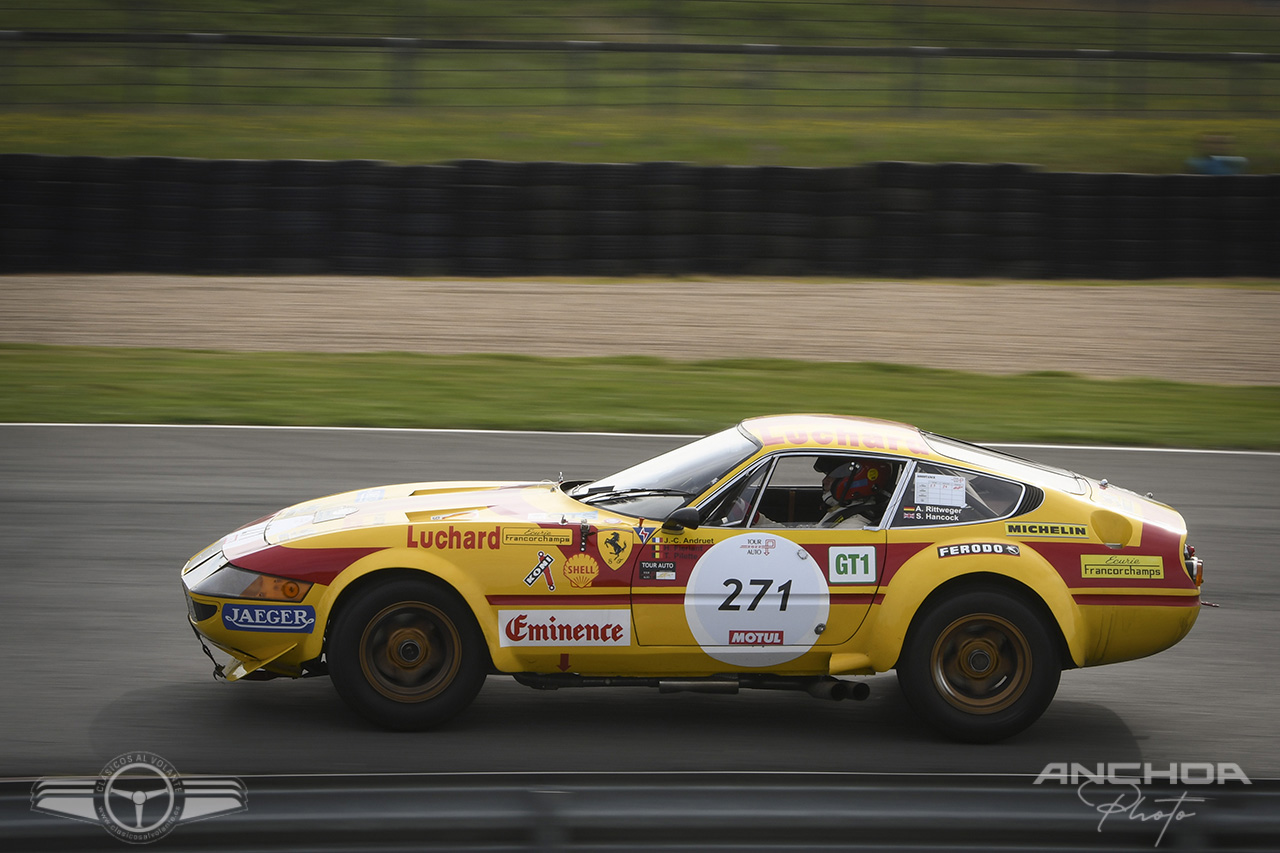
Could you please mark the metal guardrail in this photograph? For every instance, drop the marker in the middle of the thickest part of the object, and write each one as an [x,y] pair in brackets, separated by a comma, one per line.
[715,811]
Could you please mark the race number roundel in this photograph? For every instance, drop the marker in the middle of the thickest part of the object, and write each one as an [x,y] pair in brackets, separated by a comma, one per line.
[756,600]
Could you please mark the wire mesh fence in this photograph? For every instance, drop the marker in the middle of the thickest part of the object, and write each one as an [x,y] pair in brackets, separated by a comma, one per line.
[1103,56]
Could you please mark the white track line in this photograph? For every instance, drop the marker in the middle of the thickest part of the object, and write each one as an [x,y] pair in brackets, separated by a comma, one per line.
[1092,447]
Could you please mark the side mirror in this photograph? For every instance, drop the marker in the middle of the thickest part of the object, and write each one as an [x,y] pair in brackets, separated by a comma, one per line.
[684,517]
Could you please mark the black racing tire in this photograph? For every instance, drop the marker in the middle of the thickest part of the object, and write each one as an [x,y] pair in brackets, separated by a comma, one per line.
[980,666]
[407,654]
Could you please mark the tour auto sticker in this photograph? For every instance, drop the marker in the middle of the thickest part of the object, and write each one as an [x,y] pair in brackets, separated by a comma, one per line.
[756,600]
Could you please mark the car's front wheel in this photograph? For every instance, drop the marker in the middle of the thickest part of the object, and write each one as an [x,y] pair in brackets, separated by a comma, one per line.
[406,653]
[980,666]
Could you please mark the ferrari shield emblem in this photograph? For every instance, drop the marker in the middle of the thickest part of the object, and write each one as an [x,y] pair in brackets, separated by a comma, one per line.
[615,547]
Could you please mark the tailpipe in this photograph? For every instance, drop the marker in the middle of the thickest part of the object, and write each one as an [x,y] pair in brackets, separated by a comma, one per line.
[836,690]
[698,685]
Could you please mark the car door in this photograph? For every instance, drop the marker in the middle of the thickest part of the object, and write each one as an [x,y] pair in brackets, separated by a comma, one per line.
[764,578]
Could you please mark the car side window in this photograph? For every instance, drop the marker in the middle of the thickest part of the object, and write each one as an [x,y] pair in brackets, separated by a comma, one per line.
[732,508]
[827,491]
[940,495]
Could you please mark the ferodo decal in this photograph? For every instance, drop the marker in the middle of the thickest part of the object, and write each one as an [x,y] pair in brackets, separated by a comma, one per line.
[291,619]
[581,570]
[452,539]
[978,548]
[564,627]
[537,536]
[1117,567]
[756,600]
[851,564]
[615,547]
[1046,530]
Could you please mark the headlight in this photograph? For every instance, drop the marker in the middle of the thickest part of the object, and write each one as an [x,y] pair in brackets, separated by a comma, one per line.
[232,582]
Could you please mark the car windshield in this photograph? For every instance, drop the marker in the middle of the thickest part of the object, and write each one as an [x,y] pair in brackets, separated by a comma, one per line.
[685,472]
[1005,463]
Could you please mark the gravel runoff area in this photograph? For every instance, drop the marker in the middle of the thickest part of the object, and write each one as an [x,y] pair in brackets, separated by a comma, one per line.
[1168,331]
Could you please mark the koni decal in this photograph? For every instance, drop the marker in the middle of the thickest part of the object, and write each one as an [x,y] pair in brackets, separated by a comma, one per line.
[452,539]
[564,627]
[542,569]
[1119,567]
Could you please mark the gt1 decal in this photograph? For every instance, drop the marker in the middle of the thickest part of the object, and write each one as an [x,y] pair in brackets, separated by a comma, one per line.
[564,627]
[541,538]
[292,619]
[851,564]
[1026,530]
[543,568]
[978,548]
[451,539]
[581,570]
[1116,567]
[753,600]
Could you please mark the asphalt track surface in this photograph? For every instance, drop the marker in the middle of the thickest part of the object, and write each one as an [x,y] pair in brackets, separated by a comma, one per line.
[98,660]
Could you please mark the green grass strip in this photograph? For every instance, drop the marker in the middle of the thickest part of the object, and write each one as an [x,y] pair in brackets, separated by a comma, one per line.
[116,385]
[711,137]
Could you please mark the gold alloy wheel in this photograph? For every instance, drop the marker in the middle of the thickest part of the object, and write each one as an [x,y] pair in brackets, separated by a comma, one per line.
[410,651]
[981,663]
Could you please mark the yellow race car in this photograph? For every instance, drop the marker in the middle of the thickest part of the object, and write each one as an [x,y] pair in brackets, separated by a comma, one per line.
[787,552]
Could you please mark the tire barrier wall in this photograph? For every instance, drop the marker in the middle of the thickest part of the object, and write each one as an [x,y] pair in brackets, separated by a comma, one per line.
[498,218]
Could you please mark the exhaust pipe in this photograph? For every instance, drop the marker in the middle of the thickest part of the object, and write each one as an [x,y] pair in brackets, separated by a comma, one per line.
[697,685]
[836,690]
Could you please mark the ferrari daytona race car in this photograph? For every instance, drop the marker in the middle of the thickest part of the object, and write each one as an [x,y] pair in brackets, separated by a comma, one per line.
[787,552]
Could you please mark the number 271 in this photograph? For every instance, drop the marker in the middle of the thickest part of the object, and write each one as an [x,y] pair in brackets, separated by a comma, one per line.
[764,585]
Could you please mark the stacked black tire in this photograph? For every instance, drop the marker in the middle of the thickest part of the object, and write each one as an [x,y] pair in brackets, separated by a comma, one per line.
[495,218]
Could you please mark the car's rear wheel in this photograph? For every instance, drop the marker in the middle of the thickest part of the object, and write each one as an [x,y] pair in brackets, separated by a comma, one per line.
[407,654]
[980,666]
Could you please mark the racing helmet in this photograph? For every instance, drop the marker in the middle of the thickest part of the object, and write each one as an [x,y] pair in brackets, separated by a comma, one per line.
[855,482]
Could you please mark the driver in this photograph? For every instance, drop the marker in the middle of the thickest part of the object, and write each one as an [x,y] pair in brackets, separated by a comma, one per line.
[855,491]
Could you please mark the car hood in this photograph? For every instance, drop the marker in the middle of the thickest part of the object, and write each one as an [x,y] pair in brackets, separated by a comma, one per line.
[424,503]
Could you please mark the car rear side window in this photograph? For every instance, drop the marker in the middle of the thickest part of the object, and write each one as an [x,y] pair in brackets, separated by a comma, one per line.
[941,495]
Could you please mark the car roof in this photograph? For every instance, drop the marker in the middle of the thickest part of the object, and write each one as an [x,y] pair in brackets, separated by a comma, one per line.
[834,432]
